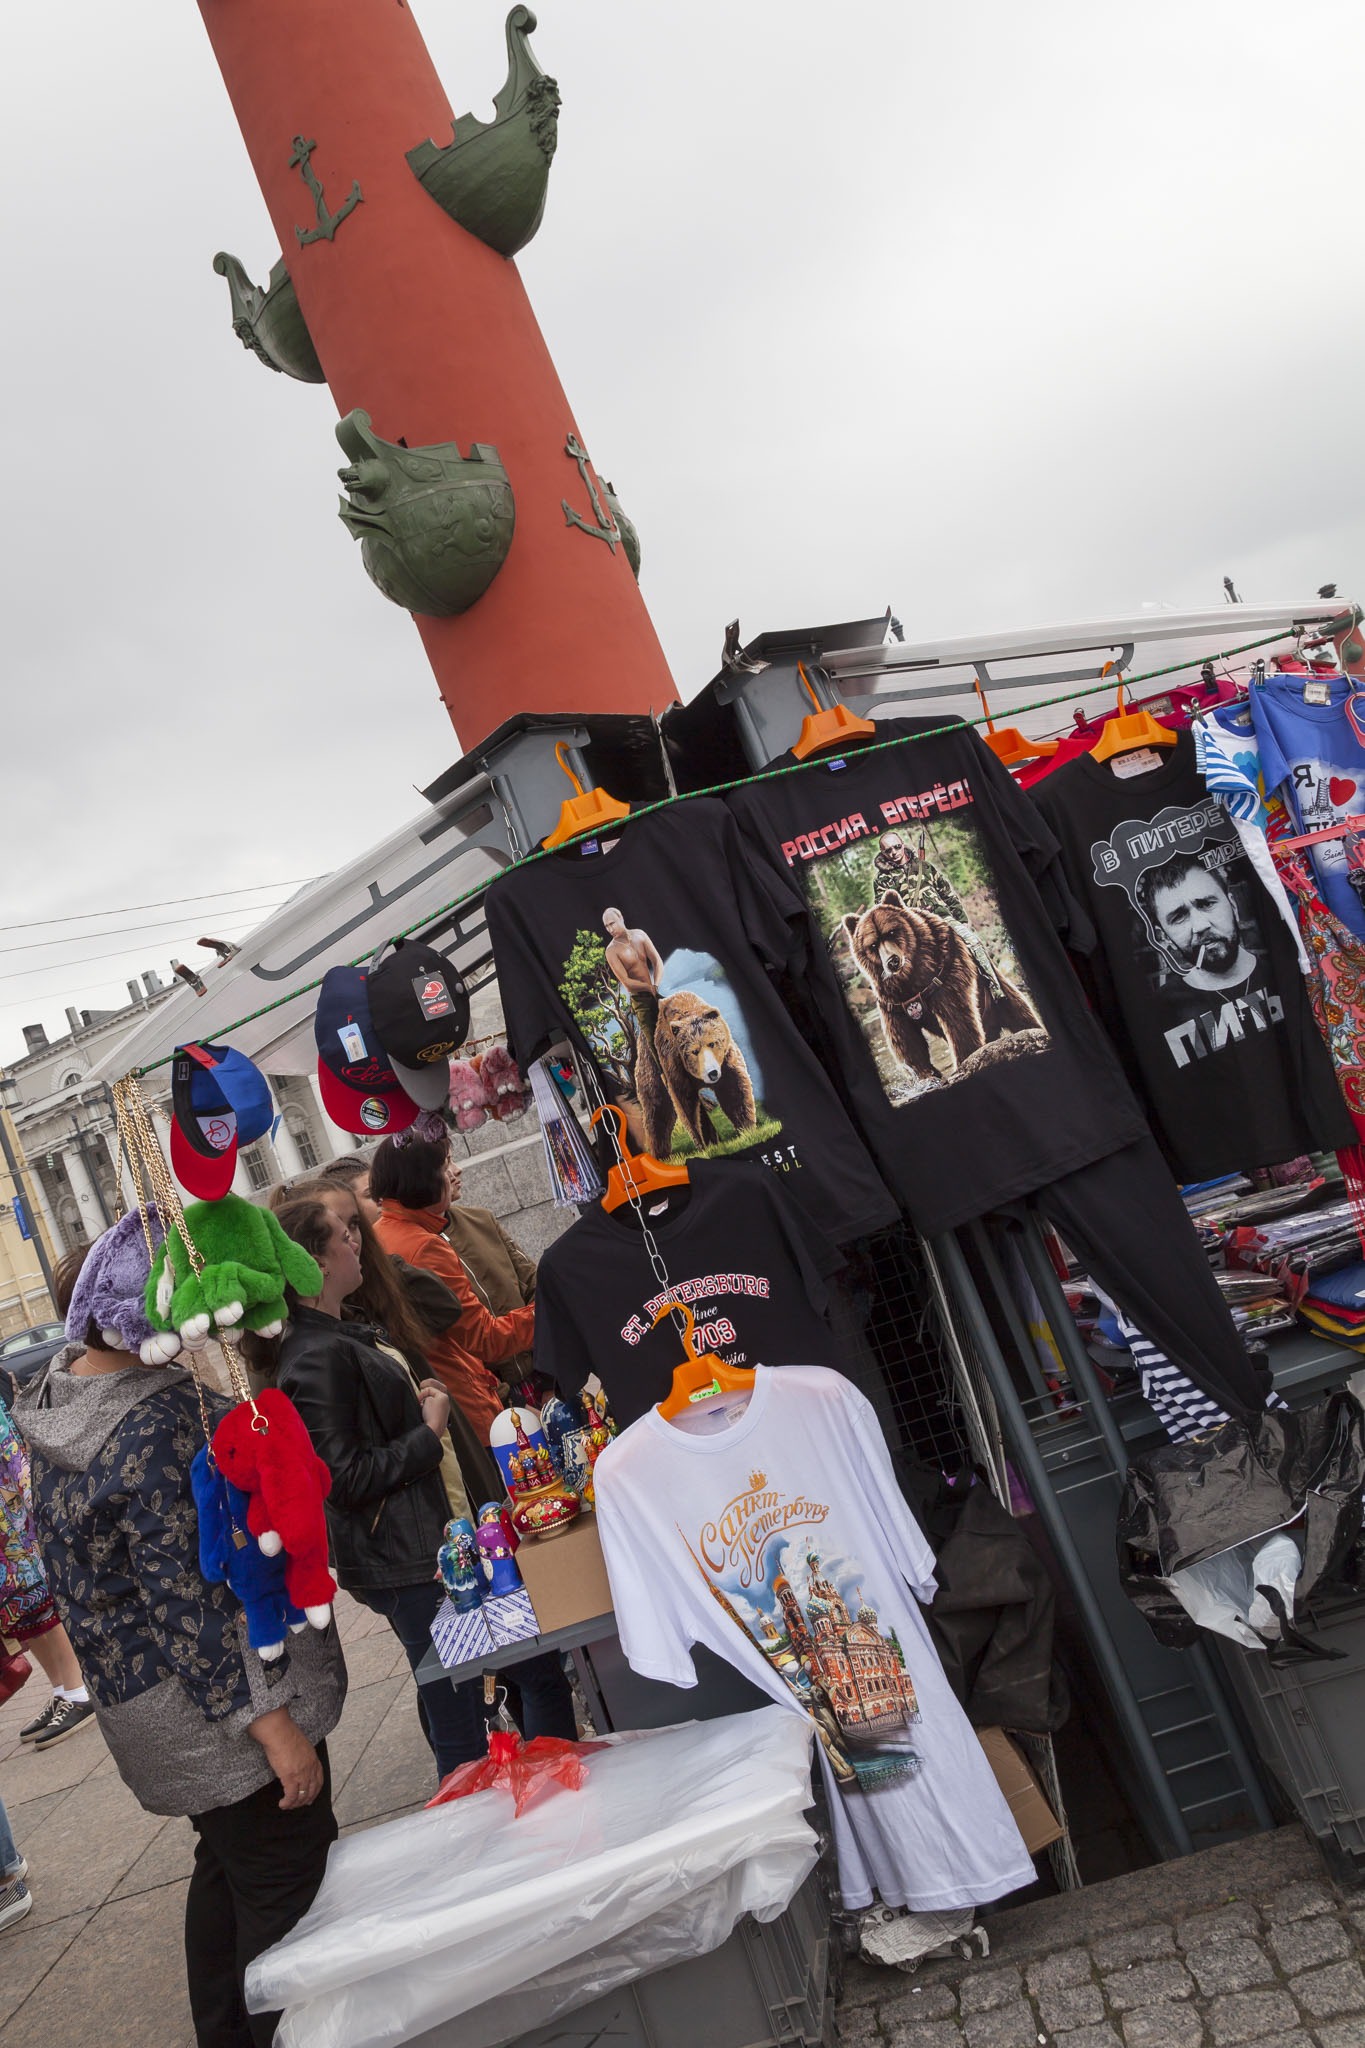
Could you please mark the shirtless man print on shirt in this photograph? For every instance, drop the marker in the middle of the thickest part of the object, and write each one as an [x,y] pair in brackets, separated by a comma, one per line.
[633,958]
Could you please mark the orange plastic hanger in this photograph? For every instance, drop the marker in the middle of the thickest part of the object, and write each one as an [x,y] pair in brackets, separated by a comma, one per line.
[636,1173]
[1129,729]
[698,1378]
[820,728]
[581,813]
[1009,744]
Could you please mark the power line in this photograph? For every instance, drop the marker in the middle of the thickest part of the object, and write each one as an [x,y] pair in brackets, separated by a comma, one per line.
[162,924]
[160,902]
[89,959]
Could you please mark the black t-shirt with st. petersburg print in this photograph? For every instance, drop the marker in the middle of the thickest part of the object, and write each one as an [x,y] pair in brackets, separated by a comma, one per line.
[1195,972]
[735,1247]
[976,1068]
[652,955]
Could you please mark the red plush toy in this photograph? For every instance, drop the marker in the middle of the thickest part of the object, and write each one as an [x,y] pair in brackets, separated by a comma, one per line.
[266,1451]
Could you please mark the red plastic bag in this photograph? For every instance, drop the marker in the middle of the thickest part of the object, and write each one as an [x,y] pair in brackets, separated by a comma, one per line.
[525,1769]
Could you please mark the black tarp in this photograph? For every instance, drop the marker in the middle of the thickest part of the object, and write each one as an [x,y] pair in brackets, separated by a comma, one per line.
[1292,1468]
[992,1616]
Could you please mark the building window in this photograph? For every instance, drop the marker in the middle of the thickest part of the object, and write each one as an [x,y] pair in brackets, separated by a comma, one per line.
[303,1139]
[259,1161]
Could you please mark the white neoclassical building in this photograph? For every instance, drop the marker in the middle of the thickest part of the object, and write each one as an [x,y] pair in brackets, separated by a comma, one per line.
[64,1119]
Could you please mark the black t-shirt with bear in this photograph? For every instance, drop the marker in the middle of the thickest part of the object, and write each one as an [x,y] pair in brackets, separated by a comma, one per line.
[933,898]
[650,952]
[1195,973]
[735,1247]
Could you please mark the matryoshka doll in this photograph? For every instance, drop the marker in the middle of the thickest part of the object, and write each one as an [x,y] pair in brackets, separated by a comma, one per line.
[459,1562]
[499,1566]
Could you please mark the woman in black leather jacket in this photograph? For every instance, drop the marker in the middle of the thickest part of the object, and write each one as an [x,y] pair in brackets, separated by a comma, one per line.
[381,1440]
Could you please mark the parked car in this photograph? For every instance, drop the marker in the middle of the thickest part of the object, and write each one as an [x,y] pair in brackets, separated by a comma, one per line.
[25,1352]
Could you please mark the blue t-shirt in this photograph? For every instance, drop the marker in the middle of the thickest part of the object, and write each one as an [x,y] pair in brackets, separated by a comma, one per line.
[1310,754]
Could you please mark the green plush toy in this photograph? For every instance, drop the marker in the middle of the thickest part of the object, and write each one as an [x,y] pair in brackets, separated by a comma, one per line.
[247,1261]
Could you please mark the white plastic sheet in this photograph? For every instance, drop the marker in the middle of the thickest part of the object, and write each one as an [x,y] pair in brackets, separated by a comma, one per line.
[676,1833]
[1220,1594]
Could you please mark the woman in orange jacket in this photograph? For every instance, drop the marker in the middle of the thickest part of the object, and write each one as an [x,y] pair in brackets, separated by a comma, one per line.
[411,1181]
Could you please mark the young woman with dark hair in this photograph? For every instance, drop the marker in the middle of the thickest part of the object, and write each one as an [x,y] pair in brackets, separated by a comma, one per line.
[381,1439]
[408,1310]
[540,1693]
[414,1185]
[193,1723]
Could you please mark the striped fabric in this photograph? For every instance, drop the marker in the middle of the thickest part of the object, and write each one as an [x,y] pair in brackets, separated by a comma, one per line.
[1179,1406]
[1215,753]
[1229,765]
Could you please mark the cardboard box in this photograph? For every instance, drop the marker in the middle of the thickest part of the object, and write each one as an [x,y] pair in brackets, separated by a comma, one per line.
[565,1575]
[1033,1816]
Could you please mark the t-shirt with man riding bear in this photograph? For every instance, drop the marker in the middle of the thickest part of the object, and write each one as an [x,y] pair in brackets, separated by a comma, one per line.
[735,1247]
[965,1043]
[650,953]
[1194,974]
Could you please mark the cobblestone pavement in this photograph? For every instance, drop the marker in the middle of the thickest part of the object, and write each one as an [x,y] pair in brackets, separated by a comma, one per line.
[1277,1965]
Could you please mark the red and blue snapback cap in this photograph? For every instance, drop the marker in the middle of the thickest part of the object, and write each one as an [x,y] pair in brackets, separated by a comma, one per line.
[219,1100]
[360,1091]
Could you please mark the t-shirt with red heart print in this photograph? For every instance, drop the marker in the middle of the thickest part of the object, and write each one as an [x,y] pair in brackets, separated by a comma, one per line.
[1310,754]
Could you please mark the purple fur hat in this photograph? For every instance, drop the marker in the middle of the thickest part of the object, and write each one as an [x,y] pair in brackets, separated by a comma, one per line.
[110,1291]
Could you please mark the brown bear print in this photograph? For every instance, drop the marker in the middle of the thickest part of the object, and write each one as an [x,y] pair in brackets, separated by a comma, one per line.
[694,1050]
[925,978]
[657,1112]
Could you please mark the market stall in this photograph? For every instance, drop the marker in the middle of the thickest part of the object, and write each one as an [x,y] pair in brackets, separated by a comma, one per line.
[946,1109]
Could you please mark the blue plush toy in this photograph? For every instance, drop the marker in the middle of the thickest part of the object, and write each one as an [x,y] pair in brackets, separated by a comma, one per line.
[257,1580]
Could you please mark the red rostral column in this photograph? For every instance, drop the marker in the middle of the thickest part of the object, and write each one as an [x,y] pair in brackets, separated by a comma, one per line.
[429,330]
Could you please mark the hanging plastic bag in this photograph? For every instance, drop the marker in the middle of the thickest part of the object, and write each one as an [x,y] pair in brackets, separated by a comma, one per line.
[1239,1485]
[1223,1593]
[525,1769]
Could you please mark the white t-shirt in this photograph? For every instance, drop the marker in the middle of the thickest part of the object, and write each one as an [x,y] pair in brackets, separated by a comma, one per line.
[769,1527]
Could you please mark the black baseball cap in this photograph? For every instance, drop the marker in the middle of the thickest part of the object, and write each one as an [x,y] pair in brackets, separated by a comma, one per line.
[419,1008]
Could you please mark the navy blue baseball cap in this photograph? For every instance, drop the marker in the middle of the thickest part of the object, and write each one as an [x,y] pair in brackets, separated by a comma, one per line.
[219,1100]
[359,1088]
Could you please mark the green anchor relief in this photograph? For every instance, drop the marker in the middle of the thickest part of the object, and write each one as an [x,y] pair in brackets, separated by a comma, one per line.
[601,526]
[328,222]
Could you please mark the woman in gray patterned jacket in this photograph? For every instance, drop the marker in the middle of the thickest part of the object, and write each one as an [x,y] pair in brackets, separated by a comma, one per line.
[195,1722]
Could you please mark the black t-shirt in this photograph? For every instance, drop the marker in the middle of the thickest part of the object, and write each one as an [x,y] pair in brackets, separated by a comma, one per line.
[936,896]
[652,956]
[1195,973]
[735,1248]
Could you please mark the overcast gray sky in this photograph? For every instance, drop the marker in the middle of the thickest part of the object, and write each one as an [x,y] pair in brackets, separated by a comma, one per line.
[999,314]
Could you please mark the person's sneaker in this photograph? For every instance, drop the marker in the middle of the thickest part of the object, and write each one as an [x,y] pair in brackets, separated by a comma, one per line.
[35,1728]
[15,1900]
[12,1876]
[67,1717]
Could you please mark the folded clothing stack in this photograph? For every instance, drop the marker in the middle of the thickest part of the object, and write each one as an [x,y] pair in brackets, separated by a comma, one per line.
[1335,1307]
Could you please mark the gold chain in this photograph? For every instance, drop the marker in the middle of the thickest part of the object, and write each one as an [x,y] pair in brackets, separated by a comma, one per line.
[147,1163]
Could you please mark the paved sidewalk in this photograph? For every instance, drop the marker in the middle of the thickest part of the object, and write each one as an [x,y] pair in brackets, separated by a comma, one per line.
[100,1959]
[1249,1944]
